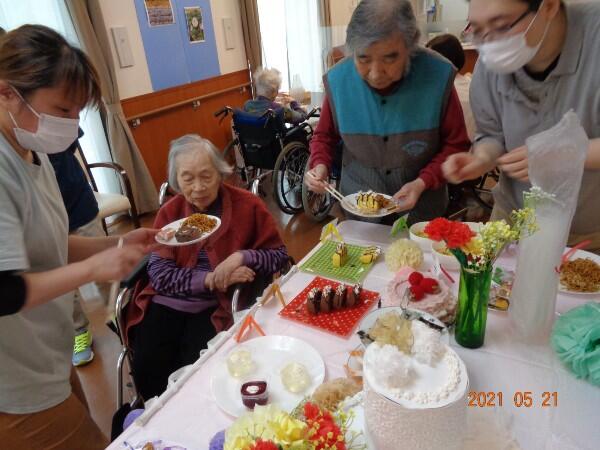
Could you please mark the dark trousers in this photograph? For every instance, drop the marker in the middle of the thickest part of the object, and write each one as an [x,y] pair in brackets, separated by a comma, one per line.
[165,341]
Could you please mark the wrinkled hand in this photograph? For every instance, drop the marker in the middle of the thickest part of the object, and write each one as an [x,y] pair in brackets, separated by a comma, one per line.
[463,166]
[114,264]
[242,274]
[224,271]
[316,178]
[142,236]
[515,164]
[408,196]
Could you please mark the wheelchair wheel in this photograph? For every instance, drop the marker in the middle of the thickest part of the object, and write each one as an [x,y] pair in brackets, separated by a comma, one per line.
[316,206]
[288,177]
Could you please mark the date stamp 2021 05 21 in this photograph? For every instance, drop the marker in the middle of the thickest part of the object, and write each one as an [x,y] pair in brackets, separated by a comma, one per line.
[519,399]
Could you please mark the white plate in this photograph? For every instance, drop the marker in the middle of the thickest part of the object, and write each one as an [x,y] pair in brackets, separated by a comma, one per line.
[175,226]
[352,200]
[369,320]
[585,255]
[270,354]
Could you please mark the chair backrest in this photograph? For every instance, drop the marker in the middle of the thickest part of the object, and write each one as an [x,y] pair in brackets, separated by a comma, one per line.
[260,137]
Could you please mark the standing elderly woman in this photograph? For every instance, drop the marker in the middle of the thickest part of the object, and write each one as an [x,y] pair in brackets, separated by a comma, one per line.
[394,106]
[186,303]
[267,83]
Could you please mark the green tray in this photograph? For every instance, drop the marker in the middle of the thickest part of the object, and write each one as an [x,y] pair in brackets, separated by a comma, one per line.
[320,263]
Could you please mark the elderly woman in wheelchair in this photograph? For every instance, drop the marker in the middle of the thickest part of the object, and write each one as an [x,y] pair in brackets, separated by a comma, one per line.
[393,105]
[267,83]
[186,301]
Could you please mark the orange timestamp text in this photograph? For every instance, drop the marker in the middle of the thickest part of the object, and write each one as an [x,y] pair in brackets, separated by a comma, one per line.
[519,399]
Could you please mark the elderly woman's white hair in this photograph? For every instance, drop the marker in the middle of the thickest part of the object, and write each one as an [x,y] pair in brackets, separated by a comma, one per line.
[267,82]
[192,143]
[375,20]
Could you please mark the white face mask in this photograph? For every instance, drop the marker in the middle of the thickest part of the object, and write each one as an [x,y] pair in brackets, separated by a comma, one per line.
[53,135]
[510,54]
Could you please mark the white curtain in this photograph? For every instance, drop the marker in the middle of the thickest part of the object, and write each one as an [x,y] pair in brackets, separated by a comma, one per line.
[291,41]
[54,14]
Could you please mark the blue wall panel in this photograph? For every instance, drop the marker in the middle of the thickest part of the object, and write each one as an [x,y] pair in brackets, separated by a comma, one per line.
[202,57]
[167,62]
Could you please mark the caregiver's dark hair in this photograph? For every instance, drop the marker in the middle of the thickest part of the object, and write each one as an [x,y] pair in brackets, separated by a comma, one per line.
[35,56]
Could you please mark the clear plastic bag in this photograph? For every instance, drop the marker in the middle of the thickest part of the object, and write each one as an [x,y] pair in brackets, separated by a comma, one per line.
[556,160]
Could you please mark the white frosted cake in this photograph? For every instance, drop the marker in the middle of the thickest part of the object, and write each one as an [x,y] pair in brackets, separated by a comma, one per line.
[415,394]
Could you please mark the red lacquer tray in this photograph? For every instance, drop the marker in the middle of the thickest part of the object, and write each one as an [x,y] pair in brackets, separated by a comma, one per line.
[341,322]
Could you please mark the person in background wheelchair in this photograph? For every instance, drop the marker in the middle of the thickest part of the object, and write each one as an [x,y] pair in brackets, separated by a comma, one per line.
[267,83]
[393,105]
[186,300]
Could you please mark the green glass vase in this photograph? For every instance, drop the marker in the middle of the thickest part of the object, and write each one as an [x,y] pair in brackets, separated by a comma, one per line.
[471,313]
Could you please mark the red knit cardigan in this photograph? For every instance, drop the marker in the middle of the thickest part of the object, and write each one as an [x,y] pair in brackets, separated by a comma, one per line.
[245,224]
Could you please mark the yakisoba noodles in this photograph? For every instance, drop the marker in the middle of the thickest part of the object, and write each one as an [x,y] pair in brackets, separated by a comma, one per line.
[580,275]
[201,221]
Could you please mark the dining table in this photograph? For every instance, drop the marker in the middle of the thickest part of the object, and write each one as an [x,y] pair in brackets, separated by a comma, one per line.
[563,411]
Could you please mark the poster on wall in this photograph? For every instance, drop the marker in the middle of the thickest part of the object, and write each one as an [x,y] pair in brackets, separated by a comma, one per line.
[195,25]
[160,12]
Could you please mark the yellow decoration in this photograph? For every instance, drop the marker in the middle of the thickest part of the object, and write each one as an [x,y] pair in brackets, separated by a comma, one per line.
[402,253]
[273,291]
[370,254]
[340,257]
[331,230]
[270,423]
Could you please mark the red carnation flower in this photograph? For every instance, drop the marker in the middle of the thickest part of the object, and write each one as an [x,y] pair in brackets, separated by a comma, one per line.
[460,235]
[264,445]
[438,229]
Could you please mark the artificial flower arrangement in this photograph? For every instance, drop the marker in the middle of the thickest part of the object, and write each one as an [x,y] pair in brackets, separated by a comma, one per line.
[308,427]
[478,251]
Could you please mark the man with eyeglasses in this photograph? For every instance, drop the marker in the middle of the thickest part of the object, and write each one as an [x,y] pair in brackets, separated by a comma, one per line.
[538,60]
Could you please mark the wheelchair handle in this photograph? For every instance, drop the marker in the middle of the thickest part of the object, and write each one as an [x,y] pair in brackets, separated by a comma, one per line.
[223,113]
[315,112]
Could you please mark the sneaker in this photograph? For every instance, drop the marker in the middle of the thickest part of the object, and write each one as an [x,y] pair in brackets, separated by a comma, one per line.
[82,350]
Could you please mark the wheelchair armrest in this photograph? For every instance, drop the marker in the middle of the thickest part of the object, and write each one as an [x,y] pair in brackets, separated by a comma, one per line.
[303,125]
[136,274]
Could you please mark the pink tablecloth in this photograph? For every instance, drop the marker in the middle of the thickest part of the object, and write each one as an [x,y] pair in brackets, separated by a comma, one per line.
[191,417]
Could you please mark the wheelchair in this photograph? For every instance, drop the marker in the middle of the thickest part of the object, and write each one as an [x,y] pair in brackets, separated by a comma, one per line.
[263,146]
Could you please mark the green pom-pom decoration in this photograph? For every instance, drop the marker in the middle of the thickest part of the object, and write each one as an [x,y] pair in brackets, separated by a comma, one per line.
[576,340]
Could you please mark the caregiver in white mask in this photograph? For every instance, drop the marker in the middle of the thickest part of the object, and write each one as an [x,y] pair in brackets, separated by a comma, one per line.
[44,84]
[538,60]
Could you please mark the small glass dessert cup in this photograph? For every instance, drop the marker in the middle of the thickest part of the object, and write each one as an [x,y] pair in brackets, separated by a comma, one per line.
[254,393]
[240,363]
[295,378]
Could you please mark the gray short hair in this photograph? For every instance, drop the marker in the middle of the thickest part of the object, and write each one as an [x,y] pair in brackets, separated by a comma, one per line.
[191,143]
[267,82]
[374,20]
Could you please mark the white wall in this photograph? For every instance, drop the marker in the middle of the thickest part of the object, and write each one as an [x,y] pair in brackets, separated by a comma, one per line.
[134,80]
[234,59]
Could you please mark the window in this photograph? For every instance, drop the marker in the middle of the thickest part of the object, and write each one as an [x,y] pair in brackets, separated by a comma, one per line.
[292,41]
[54,14]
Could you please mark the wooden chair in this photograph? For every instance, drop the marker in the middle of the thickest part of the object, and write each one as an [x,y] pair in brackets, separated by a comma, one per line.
[108,203]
